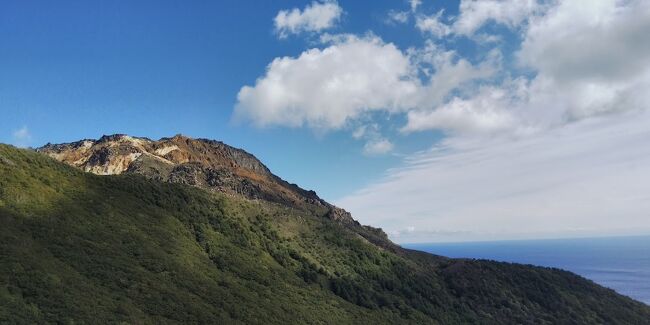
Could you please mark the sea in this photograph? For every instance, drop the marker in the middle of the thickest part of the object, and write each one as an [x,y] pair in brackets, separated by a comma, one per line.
[619,263]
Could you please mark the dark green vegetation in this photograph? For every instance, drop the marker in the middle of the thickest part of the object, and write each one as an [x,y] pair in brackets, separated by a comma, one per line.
[76,248]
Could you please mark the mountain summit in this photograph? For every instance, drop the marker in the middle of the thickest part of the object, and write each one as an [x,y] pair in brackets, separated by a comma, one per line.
[199,162]
[203,163]
[139,245]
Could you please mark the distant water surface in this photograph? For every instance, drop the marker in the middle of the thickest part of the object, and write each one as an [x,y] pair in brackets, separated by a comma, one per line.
[619,263]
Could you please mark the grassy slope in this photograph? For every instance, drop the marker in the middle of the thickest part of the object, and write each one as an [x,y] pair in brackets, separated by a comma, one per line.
[77,248]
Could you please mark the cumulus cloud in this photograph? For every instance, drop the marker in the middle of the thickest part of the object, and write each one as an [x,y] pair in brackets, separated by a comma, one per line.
[588,178]
[607,40]
[590,60]
[483,113]
[324,88]
[584,63]
[474,14]
[315,17]
[445,71]
[22,137]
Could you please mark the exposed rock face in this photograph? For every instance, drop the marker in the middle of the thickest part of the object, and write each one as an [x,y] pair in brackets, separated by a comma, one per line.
[203,163]
[340,215]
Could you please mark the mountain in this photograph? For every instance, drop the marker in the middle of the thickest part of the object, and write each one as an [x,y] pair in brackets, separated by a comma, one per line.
[142,246]
[208,164]
[204,163]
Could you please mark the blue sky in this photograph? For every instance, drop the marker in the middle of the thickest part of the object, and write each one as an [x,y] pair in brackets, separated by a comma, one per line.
[80,69]
[436,120]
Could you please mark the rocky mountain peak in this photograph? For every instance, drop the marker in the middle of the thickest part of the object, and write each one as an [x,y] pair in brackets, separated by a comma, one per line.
[204,163]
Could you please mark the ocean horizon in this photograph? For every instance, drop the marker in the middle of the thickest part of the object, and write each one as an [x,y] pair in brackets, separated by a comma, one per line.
[618,263]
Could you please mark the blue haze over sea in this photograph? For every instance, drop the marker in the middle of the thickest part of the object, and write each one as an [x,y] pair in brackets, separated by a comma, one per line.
[619,263]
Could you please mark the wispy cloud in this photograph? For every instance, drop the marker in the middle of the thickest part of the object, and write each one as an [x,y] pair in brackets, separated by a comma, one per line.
[589,178]
[433,25]
[415,4]
[378,147]
[22,137]
[400,17]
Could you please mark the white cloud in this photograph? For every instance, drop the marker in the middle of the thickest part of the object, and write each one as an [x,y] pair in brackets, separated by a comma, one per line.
[360,132]
[398,16]
[376,144]
[585,63]
[338,86]
[315,17]
[476,13]
[324,89]
[22,137]
[590,59]
[588,178]
[328,88]
[485,38]
[483,113]
[433,25]
[446,72]
[607,40]
[377,147]
[415,4]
